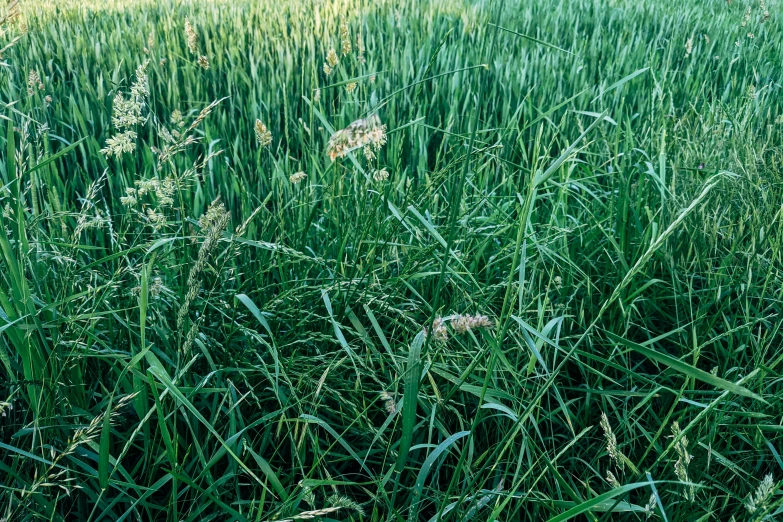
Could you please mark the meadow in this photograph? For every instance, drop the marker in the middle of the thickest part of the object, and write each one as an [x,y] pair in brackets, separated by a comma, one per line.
[358,260]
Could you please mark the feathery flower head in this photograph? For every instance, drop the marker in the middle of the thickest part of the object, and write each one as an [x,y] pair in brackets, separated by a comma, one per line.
[465,323]
[764,492]
[126,112]
[380,176]
[263,135]
[33,82]
[388,402]
[684,458]
[297,178]
[461,323]
[612,480]
[129,199]
[345,36]
[192,37]
[155,219]
[360,47]
[367,131]
[120,143]
[331,62]
[140,87]
[176,118]
[368,153]
[439,330]
[611,440]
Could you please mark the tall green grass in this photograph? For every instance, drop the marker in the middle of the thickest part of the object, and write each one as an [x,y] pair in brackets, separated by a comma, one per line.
[608,198]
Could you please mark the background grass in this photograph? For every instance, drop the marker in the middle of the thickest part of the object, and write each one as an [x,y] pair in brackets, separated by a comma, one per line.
[610,200]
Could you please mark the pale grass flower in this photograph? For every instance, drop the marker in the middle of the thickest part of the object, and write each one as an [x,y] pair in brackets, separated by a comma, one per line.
[611,441]
[765,490]
[119,144]
[212,223]
[461,323]
[388,402]
[263,135]
[345,36]
[203,62]
[368,153]
[345,503]
[361,133]
[297,178]
[380,176]
[349,88]
[331,61]
[649,508]
[33,82]
[466,323]
[6,405]
[129,199]
[684,458]
[156,220]
[156,287]
[127,113]
[439,330]
[192,37]
[177,119]
[360,47]
[140,88]
[331,58]
[612,480]
[308,515]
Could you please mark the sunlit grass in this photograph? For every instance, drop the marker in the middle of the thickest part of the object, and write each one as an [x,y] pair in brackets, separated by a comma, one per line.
[219,268]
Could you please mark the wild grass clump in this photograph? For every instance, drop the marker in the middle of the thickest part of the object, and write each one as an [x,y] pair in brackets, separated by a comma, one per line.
[379,261]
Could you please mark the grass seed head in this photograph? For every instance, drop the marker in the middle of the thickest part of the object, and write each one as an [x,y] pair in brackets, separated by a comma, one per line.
[360,48]
[345,36]
[466,323]
[192,37]
[263,135]
[759,500]
[361,133]
[380,176]
[611,441]
[331,61]
[612,480]
[34,82]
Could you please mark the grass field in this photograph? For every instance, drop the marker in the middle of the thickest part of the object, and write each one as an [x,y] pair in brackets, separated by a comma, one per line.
[392,260]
